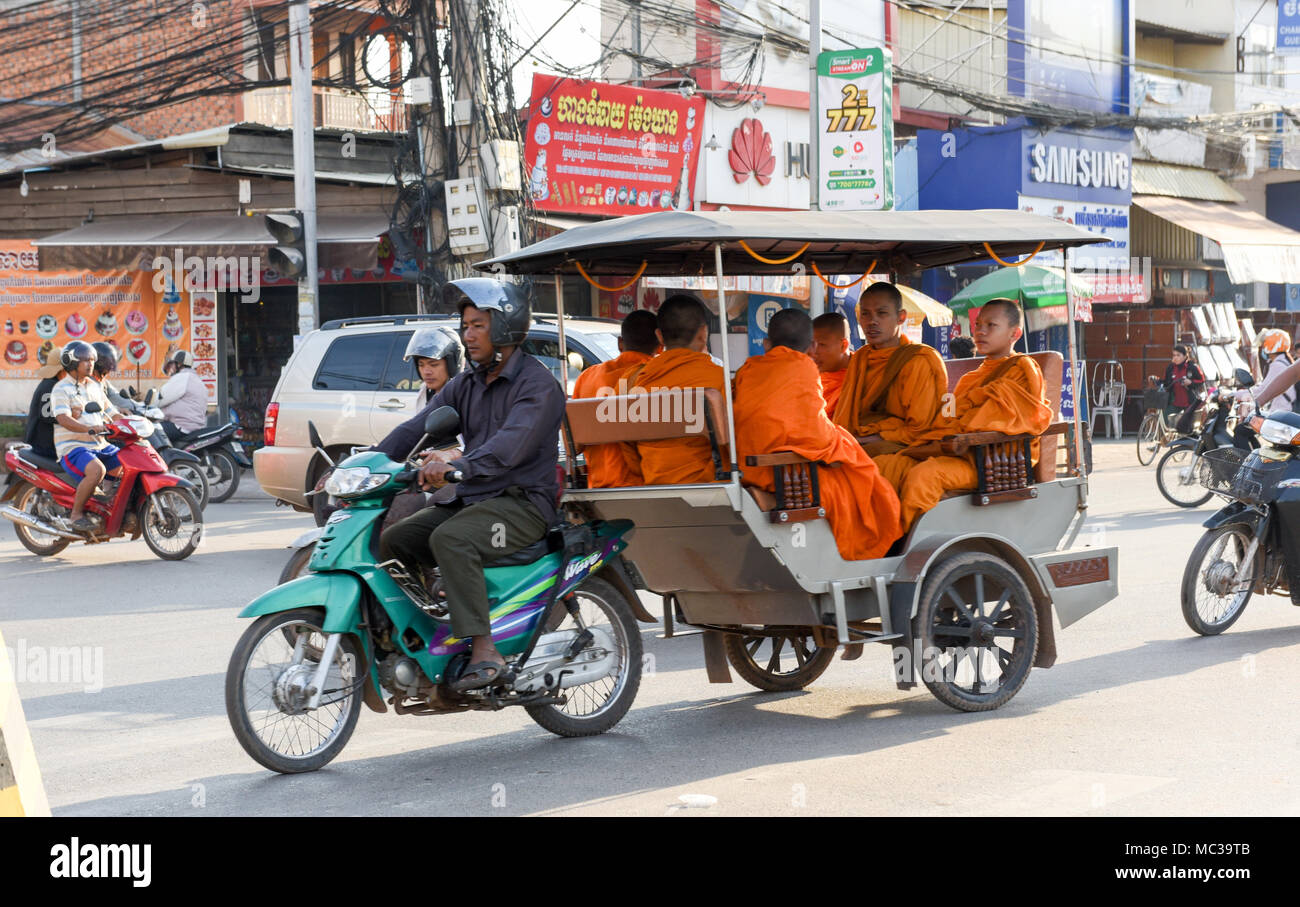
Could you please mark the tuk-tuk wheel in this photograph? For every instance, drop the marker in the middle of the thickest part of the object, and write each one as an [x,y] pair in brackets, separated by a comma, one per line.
[777,662]
[978,632]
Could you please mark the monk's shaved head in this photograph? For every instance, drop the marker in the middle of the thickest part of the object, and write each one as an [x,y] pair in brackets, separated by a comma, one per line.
[680,319]
[638,332]
[792,328]
[1009,308]
[833,323]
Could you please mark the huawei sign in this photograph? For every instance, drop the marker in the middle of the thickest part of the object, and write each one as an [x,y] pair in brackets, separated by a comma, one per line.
[751,152]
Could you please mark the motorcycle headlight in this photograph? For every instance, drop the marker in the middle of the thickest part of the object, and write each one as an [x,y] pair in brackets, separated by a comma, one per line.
[348,482]
[1276,432]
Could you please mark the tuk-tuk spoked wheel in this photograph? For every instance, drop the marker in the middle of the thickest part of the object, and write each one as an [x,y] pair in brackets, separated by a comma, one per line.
[978,632]
[777,661]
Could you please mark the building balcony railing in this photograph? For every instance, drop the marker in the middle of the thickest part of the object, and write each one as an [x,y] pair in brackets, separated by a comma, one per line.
[335,108]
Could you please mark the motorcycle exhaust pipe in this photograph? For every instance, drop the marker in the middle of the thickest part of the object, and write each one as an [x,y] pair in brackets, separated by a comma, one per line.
[26,519]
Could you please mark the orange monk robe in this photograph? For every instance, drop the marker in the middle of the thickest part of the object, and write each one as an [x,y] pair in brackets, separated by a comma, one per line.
[678,460]
[606,465]
[1013,404]
[912,404]
[832,383]
[779,408]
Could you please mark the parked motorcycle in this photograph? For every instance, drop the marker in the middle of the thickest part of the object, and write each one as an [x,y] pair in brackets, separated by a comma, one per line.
[221,457]
[1177,474]
[148,500]
[353,630]
[1252,545]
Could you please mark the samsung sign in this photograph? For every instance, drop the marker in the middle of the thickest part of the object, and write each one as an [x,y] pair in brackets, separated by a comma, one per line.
[1083,167]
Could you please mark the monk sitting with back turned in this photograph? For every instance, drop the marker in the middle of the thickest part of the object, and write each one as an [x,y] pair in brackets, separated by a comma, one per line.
[684,364]
[830,350]
[637,343]
[894,387]
[779,408]
[1005,394]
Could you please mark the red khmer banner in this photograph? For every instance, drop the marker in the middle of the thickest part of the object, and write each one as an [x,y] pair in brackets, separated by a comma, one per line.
[600,149]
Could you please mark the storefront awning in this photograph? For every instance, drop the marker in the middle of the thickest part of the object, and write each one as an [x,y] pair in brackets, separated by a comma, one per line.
[1151,178]
[1254,247]
[344,241]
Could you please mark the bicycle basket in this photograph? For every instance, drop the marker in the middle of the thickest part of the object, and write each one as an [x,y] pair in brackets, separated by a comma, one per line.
[1229,472]
[1155,398]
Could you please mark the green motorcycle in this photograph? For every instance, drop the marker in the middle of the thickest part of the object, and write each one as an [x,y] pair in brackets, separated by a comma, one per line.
[353,630]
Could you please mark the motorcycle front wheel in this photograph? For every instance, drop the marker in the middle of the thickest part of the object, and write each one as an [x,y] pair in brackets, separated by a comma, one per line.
[172,523]
[268,687]
[1212,599]
[1177,480]
[595,707]
[223,473]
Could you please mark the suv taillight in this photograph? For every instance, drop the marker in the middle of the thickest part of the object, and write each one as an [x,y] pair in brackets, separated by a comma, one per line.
[268,425]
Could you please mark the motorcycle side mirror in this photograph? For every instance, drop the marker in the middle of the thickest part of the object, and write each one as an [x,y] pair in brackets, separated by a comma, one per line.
[93,407]
[1244,378]
[442,424]
[314,436]
[149,396]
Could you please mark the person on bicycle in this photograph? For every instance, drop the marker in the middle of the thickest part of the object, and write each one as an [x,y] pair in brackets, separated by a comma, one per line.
[437,356]
[1185,383]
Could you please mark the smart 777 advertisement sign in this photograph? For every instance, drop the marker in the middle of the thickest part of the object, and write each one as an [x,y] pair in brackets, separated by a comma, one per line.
[855,115]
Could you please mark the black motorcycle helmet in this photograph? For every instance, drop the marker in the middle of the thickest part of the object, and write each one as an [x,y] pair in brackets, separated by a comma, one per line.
[105,358]
[75,352]
[511,312]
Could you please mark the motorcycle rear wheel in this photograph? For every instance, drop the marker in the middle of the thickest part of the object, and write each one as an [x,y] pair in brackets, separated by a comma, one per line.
[196,476]
[223,474]
[595,707]
[1210,606]
[34,501]
[266,713]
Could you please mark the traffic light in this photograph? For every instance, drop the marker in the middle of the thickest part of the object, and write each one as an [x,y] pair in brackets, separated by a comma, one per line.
[289,257]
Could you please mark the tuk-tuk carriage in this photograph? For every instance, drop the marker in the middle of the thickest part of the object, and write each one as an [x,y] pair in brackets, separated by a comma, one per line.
[965,600]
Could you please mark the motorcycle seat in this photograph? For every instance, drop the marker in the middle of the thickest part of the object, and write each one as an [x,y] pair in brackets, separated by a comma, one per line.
[48,464]
[550,543]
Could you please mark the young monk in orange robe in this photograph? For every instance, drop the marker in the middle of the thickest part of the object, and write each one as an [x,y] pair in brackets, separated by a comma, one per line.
[684,332]
[607,467]
[830,350]
[1005,394]
[779,408]
[893,388]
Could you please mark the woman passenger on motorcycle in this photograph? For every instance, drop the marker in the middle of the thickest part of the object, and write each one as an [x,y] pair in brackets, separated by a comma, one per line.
[1186,384]
[1274,359]
[437,356]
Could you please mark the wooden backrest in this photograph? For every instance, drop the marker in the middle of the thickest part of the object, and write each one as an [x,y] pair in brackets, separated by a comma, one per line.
[1052,365]
[658,416]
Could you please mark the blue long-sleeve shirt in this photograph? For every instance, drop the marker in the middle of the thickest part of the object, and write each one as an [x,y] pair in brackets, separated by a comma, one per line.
[510,429]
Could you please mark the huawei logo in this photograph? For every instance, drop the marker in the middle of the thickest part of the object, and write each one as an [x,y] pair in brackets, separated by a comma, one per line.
[751,152]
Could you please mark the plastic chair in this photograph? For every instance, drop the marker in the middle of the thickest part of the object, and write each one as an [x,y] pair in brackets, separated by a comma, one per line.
[1109,393]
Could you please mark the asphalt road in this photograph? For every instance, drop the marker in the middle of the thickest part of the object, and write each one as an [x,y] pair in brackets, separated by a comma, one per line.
[1138,716]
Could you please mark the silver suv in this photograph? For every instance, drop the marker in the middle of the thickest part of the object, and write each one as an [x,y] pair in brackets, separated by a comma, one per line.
[349,379]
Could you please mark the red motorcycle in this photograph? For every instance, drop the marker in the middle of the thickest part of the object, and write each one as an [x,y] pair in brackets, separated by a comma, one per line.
[148,501]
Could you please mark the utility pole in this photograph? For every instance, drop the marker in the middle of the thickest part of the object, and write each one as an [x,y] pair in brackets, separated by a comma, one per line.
[304,158]
[816,289]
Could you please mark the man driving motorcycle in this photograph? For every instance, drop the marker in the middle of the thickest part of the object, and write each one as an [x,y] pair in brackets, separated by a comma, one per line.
[510,408]
[77,435]
[184,398]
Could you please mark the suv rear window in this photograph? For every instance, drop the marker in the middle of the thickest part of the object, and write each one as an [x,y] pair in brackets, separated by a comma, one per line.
[354,363]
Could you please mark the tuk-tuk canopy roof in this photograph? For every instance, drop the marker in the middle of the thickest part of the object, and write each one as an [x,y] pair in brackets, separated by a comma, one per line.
[839,242]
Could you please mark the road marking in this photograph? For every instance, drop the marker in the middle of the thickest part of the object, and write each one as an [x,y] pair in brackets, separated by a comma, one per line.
[21,791]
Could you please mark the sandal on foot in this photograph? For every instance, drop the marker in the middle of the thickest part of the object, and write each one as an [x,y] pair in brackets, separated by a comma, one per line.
[478,675]
[83,524]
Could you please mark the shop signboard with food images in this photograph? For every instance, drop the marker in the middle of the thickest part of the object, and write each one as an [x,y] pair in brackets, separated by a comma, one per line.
[42,311]
[600,149]
[203,329]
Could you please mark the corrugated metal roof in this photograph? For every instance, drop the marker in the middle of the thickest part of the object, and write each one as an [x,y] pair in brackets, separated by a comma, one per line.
[1151,178]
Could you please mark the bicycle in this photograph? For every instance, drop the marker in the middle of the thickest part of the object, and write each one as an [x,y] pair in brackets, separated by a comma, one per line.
[1154,432]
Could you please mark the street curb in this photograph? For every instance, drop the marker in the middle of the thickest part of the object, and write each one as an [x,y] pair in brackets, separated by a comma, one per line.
[22,792]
